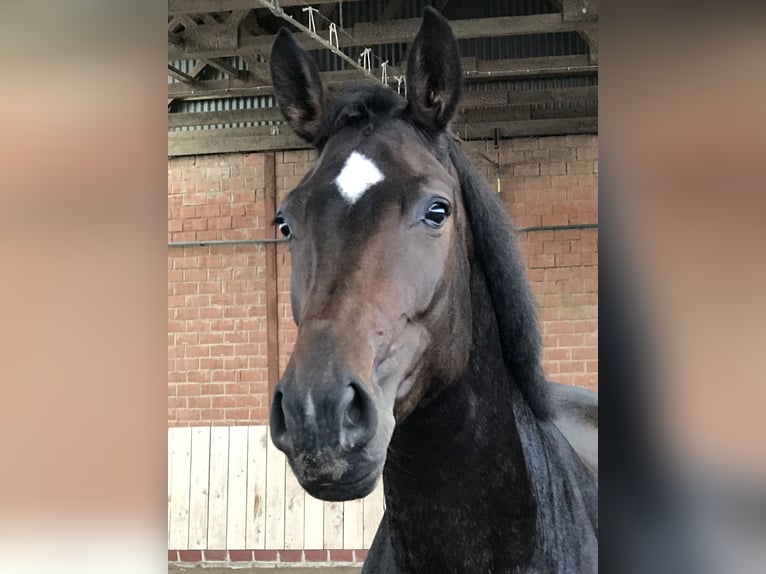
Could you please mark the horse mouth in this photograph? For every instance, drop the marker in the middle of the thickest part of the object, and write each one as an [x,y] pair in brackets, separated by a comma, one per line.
[358,487]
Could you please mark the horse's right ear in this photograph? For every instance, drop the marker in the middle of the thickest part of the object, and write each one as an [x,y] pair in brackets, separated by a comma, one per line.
[297,85]
[433,72]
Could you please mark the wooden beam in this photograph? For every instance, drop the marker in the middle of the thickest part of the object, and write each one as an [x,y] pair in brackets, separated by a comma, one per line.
[531,128]
[243,140]
[505,105]
[582,10]
[203,6]
[227,69]
[374,33]
[230,140]
[272,318]
[472,99]
[179,75]
[472,70]
[224,117]
[194,72]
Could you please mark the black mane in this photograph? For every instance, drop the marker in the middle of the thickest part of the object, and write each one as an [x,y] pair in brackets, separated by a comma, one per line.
[497,250]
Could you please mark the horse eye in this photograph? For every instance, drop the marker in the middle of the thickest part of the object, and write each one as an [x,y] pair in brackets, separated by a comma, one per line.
[437,213]
[281,224]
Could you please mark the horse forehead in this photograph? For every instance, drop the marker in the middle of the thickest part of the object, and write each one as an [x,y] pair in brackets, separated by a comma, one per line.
[357,174]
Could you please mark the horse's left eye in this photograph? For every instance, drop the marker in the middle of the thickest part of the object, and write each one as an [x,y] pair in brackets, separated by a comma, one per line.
[437,213]
[283,227]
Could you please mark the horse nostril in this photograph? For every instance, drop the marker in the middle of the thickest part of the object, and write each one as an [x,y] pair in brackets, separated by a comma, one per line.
[359,417]
[278,423]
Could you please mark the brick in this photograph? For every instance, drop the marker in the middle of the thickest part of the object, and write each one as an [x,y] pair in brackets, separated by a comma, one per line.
[580,167]
[552,142]
[241,555]
[560,327]
[557,354]
[556,247]
[265,555]
[587,153]
[190,555]
[172,555]
[558,219]
[239,413]
[578,340]
[553,168]
[524,169]
[579,141]
[315,555]
[215,555]
[360,555]
[567,259]
[525,143]
[565,155]
[542,261]
[290,555]
[582,299]
[342,555]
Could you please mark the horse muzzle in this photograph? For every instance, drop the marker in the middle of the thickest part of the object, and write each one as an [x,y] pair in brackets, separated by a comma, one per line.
[326,431]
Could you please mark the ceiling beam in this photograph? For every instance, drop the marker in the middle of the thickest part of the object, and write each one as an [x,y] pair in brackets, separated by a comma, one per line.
[179,75]
[231,140]
[474,107]
[473,70]
[227,69]
[203,6]
[255,139]
[531,128]
[582,10]
[209,41]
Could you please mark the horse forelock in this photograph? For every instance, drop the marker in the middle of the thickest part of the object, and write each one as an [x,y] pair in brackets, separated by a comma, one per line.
[364,105]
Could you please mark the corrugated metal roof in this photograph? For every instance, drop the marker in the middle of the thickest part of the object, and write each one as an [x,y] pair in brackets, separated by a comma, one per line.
[351,13]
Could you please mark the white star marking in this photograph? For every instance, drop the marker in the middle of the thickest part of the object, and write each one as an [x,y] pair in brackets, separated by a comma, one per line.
[357,176]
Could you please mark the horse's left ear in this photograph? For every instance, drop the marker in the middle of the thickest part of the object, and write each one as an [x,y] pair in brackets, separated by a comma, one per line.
[433,72]
[297,85]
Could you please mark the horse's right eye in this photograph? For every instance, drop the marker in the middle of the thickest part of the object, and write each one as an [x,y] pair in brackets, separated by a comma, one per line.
[283,227]
[437,213]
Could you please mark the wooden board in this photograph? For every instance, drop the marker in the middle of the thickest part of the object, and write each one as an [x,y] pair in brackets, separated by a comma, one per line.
[170,475]
[200,483]
[217,504]
[353,524]
[255,535]
[313,537]
[275,497]
[373,512]
[294,511]
[236,514]
[230,488]
[179,490]
[333,525]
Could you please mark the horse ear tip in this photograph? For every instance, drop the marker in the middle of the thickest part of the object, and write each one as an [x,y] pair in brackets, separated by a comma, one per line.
[432,16]
[283,37]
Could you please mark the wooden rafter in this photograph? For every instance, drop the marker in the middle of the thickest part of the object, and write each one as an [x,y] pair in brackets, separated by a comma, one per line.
[477,106]
[201,6]
[210,40]
[179,75]
[473,69]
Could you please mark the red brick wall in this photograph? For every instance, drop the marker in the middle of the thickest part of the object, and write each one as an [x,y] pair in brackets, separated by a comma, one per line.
[217,355]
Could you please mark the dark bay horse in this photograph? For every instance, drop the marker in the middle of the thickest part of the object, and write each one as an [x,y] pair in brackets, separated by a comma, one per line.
[418,351]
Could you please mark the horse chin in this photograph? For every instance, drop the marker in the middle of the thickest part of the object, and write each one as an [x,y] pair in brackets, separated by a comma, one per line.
[349,487]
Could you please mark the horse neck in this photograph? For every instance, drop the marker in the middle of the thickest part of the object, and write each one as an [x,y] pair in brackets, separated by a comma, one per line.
[458,460]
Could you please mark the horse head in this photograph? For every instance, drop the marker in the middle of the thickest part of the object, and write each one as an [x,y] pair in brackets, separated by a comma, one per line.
[380,262]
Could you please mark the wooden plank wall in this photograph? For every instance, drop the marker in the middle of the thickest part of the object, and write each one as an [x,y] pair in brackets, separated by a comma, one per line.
[230,488]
